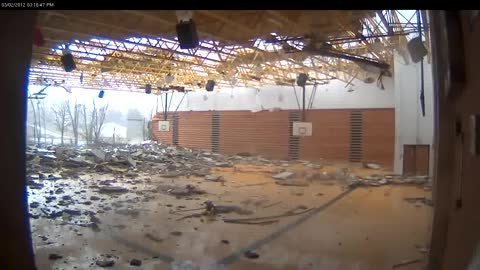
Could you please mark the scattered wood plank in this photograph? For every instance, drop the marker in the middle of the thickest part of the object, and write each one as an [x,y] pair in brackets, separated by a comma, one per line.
[287,214]
[252,185]
[270,205]
[292,183]
[405,263]
[189,210]
[268,222]
[190,216]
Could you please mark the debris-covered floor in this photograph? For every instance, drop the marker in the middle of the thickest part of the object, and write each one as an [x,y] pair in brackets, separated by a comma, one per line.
[152,206]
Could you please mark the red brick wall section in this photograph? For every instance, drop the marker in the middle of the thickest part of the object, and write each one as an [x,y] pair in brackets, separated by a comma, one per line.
[163,137]
[266,133]
[271,134]
[330,135]
[237,132]
[195,130]
[379,136]
[261,133]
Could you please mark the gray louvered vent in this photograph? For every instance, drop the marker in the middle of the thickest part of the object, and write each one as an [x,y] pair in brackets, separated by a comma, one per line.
[356,136]
[293,141]
[175,128]
[216,132]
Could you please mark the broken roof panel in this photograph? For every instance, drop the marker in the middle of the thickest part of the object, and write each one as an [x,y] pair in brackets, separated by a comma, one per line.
[232,44]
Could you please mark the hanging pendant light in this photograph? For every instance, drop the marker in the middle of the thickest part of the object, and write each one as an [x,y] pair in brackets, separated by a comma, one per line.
[169,78]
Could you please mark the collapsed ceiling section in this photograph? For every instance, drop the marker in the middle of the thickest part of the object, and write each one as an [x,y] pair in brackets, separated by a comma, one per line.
[126,50]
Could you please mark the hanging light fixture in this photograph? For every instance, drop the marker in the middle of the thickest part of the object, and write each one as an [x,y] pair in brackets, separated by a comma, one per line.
[169,78]
[186,30]
[184,15]
[258,70]
[234,81]
[148,88]
[67,61]
[377,45]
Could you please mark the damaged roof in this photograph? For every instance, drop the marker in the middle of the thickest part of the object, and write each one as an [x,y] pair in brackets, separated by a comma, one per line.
[125,50]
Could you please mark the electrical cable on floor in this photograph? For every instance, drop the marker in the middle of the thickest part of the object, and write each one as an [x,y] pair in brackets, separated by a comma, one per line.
[274,235]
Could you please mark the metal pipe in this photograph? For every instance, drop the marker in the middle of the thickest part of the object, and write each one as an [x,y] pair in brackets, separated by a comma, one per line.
[184,94]
[170,103]
[166,108]
[303,105]
[296,97]
[422,75]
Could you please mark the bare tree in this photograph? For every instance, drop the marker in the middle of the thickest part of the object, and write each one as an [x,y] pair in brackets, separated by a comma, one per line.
[39,123]
[87,124]
[36,131]
[61,118]
[99,119]
[93,122]
[44,125]
[74,114]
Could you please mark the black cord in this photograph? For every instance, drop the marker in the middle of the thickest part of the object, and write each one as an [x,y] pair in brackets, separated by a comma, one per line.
[296,97]
[170,104]
[41,91]
[380,81]
[312,96]
[161,101]
[184,94]
[422,77]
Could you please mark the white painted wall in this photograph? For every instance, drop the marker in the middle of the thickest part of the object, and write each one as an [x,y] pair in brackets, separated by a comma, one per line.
[411,127]
[331,96]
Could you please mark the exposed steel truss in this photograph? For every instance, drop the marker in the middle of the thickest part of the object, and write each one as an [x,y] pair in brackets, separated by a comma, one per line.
[115,56]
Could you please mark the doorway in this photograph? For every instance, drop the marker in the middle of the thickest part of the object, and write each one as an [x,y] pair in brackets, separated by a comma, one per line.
[416,158]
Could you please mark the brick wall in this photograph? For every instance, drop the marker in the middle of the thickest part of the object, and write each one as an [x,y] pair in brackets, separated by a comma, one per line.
[271,134]
[195,130]
[262,133]
[266,133]
[237,132]
[330,135]
[163,137]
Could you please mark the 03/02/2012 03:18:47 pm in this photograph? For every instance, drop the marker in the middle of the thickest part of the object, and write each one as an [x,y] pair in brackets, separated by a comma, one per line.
[28,5]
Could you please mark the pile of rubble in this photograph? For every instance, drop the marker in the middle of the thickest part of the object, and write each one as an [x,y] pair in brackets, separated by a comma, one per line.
[50,173]
[146,157]
[313,172]
[149,156]
[75,185]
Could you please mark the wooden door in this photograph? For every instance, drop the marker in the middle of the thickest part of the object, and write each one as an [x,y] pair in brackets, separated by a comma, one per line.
[409,160]
[422,160]
[416,159]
